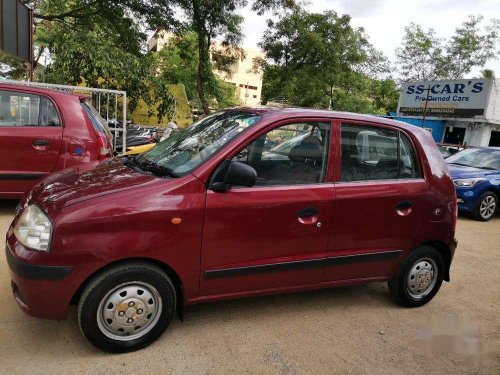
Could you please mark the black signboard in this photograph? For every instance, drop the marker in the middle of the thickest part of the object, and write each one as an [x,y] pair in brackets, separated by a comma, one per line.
[16,29]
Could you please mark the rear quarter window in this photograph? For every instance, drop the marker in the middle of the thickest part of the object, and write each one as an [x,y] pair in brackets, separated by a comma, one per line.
[97,121]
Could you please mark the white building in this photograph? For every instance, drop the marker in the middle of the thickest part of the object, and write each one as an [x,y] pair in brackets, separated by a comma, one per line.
[242,75]
[458,111]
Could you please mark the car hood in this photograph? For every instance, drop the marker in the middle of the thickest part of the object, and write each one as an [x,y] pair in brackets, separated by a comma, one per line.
[460,171]
[82,183]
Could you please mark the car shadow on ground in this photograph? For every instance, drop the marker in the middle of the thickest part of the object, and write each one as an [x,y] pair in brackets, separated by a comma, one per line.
[210,315]
[8,206]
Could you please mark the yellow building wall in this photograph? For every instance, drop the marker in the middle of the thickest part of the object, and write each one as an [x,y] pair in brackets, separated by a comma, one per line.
[182,111]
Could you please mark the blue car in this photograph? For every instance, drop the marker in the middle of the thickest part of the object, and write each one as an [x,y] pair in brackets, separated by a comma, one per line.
[476,174]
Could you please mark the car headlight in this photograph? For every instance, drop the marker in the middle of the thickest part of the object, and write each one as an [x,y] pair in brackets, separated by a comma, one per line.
[467,182]
[34,229]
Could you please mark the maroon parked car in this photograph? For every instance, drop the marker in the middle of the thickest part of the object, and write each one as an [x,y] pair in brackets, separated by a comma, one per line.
[42,131]
[246,202]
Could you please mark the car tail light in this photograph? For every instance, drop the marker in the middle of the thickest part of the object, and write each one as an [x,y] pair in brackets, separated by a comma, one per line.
[105,147]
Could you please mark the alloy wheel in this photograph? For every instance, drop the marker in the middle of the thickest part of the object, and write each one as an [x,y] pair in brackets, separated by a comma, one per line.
[487,207]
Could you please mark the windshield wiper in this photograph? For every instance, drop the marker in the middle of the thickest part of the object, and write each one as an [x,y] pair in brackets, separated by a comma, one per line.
[130,161]
[490,168]
[463,165]
[157,169]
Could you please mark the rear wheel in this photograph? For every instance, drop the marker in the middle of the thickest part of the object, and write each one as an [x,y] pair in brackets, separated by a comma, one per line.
[488,204]
[419,277]
[127,307]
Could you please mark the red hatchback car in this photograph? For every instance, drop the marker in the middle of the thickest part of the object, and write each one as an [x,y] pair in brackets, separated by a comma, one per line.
[245,202]
[43,131]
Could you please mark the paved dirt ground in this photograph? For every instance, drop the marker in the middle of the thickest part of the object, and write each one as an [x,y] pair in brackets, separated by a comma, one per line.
[346,330]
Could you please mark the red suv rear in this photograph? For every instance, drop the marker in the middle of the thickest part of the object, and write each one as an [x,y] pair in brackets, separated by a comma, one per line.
[42,131]
[245,202]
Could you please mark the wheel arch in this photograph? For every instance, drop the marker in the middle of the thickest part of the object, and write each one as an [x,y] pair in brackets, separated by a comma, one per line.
[445,252]
[176,280]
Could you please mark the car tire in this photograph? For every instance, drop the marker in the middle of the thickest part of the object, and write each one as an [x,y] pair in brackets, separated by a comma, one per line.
[487,207]
[419,277]
[127,307]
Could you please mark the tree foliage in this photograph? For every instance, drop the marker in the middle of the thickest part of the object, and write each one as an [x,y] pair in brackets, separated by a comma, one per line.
[92,39]
[320,60]
[178,62]
[219,18]
[425,56]
[100,42]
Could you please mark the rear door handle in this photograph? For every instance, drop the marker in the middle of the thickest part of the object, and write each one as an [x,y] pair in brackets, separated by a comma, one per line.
[404,205]
[404,208]
[40,142]
[307,212]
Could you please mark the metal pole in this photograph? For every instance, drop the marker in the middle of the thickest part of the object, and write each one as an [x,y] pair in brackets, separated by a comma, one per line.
[116,120]
[426,101]
[124,139]
[107,108]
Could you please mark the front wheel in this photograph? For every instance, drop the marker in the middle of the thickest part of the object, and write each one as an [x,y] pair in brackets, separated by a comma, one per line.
[488,204]
[419,277]
[127,307]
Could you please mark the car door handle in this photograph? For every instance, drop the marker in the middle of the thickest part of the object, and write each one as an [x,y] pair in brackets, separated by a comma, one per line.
[307,212]
[404,208]
[404,205]
[308,215]
[40,142]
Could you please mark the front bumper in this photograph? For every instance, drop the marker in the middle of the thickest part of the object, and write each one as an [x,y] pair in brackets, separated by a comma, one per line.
[466,199]
[44,284]
[35,271]
[40,290]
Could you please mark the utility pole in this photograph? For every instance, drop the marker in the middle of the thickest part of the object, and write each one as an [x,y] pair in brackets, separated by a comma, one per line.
[425,107]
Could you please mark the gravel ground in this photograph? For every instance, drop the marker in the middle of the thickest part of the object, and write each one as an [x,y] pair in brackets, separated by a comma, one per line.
[345,330]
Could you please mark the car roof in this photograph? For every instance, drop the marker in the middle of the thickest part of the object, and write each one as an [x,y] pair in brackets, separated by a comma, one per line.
[291,112]
[36,89]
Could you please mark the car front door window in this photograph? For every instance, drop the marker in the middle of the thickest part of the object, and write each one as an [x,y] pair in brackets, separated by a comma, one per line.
[292,154]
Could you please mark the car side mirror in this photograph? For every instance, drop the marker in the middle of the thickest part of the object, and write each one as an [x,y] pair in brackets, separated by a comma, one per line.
[237,174]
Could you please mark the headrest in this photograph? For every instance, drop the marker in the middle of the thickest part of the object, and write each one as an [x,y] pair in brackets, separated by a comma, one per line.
[388,162]
[308,148]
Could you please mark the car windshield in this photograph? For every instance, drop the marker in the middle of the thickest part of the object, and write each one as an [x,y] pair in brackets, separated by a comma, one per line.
[485,158]
[191,146]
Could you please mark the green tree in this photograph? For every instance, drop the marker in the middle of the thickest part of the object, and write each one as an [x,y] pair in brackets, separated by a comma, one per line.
[219,19]
[488,73]
[319,60]
[178,62]
[420,57]
[424,56]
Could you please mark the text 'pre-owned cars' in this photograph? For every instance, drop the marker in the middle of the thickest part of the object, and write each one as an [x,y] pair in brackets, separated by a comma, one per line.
[246,202]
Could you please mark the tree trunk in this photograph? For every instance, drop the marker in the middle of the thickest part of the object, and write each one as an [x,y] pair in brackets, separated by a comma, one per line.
[203,55]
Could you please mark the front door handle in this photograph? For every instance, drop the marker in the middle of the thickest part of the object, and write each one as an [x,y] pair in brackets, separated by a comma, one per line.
[40,142]
[404,208]
[307,212]
[308,215]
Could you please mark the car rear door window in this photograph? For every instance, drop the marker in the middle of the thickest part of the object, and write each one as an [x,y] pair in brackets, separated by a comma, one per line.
[21,109]
[373,153]
[291,154]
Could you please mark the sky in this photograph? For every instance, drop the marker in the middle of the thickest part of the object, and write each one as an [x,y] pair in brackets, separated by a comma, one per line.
[384,20]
